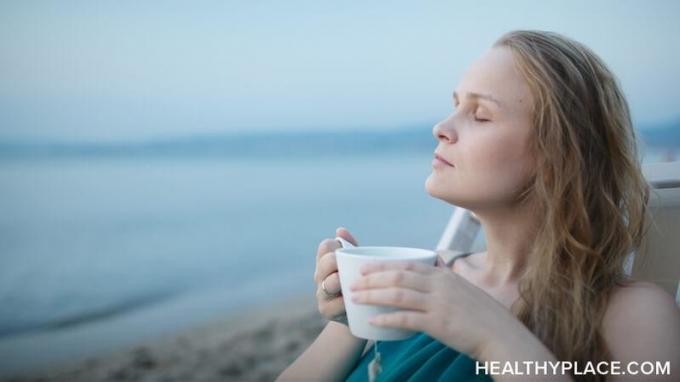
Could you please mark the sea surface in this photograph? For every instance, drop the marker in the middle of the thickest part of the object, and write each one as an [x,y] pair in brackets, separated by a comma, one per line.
[88,242]
[100,252]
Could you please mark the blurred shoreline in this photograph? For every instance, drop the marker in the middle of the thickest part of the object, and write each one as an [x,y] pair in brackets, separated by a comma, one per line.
[256,344]
[39,349]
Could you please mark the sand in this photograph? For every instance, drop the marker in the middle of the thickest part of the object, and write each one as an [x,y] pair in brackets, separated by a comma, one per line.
[256,345]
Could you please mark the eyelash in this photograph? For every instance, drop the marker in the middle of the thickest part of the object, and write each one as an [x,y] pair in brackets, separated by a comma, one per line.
[480,120]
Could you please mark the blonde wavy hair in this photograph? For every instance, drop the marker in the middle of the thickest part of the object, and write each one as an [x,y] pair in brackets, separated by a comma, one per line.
[590,192]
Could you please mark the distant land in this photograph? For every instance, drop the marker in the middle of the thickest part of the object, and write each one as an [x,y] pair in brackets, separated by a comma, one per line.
[278,144]
[256,144]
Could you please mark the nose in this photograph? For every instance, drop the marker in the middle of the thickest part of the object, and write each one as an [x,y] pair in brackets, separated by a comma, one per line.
[444,132]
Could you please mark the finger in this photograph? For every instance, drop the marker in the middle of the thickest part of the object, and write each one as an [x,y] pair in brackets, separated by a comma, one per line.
[414,266]
[336,306]
[331,308]
[344,233]
[409,320]
[326,265]
[396,297]
[392,278]
[327,245]
[332,283]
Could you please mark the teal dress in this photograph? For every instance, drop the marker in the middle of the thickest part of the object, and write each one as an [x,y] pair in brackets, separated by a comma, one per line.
[419,358]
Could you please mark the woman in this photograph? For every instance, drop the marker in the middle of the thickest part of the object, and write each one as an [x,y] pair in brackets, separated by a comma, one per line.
[541,149]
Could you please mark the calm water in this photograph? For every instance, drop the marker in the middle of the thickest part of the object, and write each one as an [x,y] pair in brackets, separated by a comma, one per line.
[83,240]
[87,245]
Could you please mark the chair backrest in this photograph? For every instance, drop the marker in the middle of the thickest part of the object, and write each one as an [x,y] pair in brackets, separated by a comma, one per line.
[658,258]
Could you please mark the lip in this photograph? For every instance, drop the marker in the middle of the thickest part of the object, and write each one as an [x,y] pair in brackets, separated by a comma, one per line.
[439,158]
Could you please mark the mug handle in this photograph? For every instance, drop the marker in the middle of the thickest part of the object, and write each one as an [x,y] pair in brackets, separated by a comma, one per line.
[344,243]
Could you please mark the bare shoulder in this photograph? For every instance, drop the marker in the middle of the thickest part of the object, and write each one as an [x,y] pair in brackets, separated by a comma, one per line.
[642,321]
[640,299]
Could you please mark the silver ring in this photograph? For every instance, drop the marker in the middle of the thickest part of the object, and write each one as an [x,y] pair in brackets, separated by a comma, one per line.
[325,291]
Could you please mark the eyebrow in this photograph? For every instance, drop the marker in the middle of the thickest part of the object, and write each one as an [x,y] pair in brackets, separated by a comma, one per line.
[487,97]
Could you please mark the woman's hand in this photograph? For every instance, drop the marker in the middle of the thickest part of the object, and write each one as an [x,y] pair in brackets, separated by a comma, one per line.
[438,302]
[330,306]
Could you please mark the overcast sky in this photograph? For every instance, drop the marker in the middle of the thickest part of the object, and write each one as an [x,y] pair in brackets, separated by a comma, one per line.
[118,70]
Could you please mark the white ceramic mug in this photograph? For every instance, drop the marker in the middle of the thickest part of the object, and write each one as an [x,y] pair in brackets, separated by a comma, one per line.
[350,260]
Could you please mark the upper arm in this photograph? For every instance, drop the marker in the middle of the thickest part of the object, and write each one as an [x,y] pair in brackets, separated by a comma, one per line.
[642,323]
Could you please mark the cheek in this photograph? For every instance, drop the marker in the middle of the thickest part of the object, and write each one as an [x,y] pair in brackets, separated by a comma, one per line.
[492,171]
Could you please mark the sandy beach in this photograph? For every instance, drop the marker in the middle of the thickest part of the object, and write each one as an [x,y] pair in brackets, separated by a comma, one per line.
[255,345]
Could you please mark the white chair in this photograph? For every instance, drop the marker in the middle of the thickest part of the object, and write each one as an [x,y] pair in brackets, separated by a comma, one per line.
[658,259]
[659,254]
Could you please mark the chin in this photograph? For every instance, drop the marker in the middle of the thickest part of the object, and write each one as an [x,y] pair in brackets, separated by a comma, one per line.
[442,192]
[436,190]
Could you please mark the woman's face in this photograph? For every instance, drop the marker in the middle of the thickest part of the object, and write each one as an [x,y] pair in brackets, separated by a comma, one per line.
[486,137]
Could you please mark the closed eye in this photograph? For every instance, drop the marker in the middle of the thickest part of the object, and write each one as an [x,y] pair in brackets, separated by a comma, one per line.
[480,118]
[474,115]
